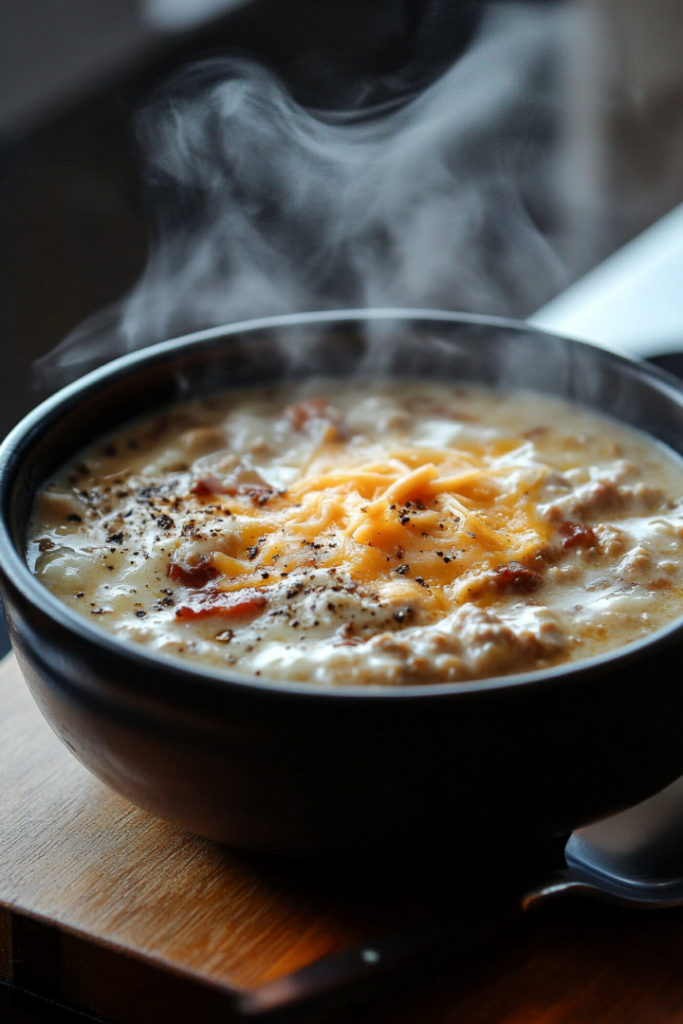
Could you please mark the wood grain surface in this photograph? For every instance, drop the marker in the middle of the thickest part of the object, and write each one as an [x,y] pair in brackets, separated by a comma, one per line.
[110,911]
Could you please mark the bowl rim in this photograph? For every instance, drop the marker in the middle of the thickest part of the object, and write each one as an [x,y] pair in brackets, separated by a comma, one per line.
[15,568]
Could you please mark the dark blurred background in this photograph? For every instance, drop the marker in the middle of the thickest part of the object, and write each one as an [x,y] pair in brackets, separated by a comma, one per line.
[73,224]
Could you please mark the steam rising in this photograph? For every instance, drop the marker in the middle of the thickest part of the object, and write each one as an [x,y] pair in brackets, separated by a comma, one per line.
[261,206]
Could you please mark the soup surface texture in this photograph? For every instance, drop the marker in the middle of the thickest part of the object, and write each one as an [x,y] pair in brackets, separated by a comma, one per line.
[363,533]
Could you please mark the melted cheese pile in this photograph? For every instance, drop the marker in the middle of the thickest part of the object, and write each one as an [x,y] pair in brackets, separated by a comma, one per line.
[424,515]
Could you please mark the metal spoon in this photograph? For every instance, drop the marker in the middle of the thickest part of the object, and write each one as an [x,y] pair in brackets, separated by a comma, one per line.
[634,858]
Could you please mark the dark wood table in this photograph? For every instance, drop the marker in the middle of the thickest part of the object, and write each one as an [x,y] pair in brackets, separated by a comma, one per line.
[112,912]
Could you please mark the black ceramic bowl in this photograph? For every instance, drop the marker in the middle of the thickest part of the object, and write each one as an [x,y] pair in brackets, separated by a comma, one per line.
[303,770]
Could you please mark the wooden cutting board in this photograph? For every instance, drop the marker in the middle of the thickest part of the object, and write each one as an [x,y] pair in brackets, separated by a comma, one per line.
[108,910]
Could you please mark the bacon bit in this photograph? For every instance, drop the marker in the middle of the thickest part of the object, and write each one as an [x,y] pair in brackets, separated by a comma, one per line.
[258,493]
[298,415]
[517,576]
[196,575]
[236,605]
[576,535]
[210,484]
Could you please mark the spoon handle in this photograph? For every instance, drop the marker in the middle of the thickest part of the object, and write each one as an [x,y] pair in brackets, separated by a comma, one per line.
[354,974]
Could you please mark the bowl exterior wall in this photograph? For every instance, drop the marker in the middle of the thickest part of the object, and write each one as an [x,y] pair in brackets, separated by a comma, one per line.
[353,777]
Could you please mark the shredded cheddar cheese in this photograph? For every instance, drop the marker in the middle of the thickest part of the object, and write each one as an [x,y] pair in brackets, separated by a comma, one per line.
[372,520]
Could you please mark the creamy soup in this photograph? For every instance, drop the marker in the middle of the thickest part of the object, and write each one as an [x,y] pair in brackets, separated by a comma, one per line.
[363,533]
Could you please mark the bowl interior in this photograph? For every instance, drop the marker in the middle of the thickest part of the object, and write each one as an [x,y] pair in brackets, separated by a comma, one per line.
[443,346]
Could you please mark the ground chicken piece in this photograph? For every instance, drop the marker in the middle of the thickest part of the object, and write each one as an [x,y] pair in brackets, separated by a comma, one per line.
[636,564]
[611,540]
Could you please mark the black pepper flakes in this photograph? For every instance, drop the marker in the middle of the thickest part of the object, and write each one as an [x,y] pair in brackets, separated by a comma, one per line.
[402,569]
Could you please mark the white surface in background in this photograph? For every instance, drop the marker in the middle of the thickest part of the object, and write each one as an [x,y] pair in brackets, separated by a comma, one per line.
[633,302]
[180,15]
